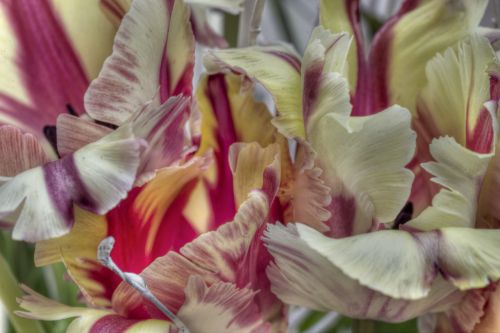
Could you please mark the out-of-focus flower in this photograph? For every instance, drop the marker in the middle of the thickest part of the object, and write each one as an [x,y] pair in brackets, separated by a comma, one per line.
[224,164]
[357,248]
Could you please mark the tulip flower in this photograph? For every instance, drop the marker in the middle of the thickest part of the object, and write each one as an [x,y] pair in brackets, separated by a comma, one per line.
[169,222]
[352,242]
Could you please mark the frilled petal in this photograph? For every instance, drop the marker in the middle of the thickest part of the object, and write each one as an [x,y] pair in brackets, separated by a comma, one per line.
[163,129]
[402,48]
[149,213]
[227,254]
[306,197]
[40,201]
[88,320]
[489,322]
[140,67]
[301,275]
[401,264]
[19,151]
[343,16]
[452,102]
[365,168]
[95,177]
[220,307]
[460,171]
[277,68]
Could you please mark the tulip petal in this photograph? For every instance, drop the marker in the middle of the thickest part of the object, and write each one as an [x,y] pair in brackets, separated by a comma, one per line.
[78,251]
[203,31]
[229,114]
[75,132]
[149,213]
[277,68]
[139,66]
[89,31]
[404,265]
[115,10]
[365,168]
[48,83]
[95,177]
[460,171]
[219,308]
[306,197]
[401,49]
[89,320]
[324,63]
[302,276]
[452,101]
[215,256]
[19,152]
[343,16]
[253,168]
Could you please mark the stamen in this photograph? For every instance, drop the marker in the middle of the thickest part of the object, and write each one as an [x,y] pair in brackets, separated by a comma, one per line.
[134,280]
[70,110]
[404,215]
[50,133]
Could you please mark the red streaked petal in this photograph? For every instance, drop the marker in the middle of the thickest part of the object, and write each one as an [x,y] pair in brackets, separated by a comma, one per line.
[51,71]
[343,16]
[75,132]
[140,67]
[220,307]
[215,256]
[400,49]
[19,152]
[229,114]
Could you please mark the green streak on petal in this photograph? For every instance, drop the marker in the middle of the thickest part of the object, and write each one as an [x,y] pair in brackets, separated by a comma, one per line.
[9,291]
[231,23]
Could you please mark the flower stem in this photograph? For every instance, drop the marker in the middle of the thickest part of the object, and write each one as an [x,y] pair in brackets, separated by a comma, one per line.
[249,25]
[363,326]
[9,292]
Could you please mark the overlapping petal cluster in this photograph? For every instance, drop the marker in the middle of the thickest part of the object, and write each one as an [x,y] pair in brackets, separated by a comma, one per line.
[385,208]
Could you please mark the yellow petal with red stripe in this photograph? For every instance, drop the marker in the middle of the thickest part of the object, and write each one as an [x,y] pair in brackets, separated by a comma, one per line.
[78,251]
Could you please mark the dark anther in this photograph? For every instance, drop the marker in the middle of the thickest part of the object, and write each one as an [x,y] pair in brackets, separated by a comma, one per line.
[404,215]
[70,110]
[108,125]
[50,133]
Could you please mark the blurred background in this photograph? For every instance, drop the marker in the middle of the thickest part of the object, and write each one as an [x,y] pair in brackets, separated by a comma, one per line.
[283,20]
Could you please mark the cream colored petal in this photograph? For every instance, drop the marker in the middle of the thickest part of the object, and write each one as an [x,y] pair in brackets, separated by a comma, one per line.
[367,164]
[416,37]
[303,276]
[452,102]
[341,16]
[275,67]
[460,171]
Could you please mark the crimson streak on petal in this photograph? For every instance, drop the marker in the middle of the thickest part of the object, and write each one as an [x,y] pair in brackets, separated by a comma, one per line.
[50,69]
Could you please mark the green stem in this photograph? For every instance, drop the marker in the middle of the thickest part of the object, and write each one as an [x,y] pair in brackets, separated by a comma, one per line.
[9,292]
[363,326]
